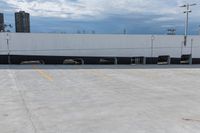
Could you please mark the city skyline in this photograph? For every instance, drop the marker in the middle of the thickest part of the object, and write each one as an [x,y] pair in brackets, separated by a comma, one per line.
[71,16]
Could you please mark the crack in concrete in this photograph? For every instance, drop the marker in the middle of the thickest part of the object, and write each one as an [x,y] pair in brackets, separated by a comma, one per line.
[13,79]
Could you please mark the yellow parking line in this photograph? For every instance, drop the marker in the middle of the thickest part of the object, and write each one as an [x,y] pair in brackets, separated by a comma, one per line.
[43,74]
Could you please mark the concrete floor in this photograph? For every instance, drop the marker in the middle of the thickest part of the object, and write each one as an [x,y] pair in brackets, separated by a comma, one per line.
[99,99]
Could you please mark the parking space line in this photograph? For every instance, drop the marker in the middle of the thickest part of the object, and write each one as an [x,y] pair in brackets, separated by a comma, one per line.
[43,74]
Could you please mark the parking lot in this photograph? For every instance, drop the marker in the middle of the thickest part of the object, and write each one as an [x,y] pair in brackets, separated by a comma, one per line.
[99,99]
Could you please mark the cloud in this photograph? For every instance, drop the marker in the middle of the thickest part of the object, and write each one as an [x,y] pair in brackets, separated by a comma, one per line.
[60,8]
[95,9]
[143,16]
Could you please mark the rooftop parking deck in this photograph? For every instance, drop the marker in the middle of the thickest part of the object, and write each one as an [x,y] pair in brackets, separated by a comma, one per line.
[100,99]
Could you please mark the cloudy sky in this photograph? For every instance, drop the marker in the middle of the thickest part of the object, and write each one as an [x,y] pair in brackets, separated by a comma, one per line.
[104,16]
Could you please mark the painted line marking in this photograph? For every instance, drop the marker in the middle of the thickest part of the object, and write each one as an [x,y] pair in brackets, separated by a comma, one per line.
[43,74]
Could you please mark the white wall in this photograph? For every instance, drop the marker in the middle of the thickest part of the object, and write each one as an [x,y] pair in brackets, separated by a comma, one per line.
[79,45]
[195,46]
[3,44]
[99,45]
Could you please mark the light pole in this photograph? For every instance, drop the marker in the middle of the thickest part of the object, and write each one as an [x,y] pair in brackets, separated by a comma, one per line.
[152,45]
[190,61]
[187,11]
[7,41]
[8,47]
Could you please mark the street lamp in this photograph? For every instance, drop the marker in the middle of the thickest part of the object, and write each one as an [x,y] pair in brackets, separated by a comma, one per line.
[152,43]
[187,11]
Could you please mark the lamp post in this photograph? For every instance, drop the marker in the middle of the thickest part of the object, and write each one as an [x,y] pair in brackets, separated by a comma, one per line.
[7,41]
[152,45]
[187,11]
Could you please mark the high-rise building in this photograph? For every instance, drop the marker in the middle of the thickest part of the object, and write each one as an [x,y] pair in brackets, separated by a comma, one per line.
[1,22]
[22,21]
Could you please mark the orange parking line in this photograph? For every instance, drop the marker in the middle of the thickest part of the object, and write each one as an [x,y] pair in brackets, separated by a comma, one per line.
[43,74]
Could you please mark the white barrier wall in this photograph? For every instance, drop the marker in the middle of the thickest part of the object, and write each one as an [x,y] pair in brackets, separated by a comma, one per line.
[194,46]
[167,45]
[3,44]
[79,45]
[98,45]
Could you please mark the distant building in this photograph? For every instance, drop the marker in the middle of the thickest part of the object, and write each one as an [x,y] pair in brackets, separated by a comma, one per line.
[171,31]
[22,22]
[1,22]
